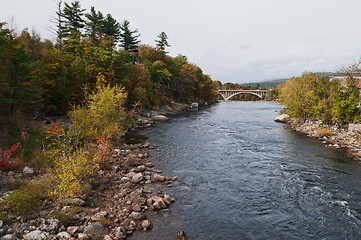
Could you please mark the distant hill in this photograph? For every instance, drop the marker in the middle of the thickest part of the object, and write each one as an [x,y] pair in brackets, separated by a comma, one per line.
[275,83]
[268,84]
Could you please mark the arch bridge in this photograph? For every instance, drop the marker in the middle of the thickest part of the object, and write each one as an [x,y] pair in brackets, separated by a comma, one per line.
[228,94]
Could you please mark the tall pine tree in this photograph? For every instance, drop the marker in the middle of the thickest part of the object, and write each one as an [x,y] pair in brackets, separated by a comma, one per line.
[128,38]
[74,22]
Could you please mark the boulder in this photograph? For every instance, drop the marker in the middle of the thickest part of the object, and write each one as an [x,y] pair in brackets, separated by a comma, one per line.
[99,216]
[72,230]
[8,237]
[146,224]
[137,178]
[28,171]
[63,235]
[83,236]
[36,235]
[159,118]
[50,225]
[136,215]
[282,118]
[96,229]
[158,178]
[194,105]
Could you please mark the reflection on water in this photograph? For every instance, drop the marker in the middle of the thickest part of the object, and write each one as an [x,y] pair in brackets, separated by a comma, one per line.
[243,176]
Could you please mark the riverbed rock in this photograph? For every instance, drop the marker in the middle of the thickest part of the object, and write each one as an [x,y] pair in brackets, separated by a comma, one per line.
[158,178]
[137,178]
[99,216]
[195,105]
[36,235]
[282,118]
[63,235]
[8,237]
[72,230]
[159,118]
[96,229]
[146,224]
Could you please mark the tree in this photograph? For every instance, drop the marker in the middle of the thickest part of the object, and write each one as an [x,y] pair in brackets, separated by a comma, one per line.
[74,22]
[58,20]
[94,26]
[111,27]
[20,87]
[162,42]
[128,38]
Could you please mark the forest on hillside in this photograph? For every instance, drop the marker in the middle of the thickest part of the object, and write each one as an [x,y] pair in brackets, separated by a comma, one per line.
[40,76]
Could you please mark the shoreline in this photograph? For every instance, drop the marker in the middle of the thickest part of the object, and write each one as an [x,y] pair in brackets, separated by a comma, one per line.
[347,138]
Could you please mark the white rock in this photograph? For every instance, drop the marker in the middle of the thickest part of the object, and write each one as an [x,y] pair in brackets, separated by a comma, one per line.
[1,223]
[63,235]
[282,118]
[99,216]
[194,105]
[8,237]
[36,235]
[28,170]
[159,118]
[137,178]
[83,236]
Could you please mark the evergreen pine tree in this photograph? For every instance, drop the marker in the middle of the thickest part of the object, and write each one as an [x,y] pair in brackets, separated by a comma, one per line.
[94,25]
[74,22]
[162,42]
[128,38]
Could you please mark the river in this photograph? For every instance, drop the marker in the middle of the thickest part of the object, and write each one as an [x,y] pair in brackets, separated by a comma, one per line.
[243,176]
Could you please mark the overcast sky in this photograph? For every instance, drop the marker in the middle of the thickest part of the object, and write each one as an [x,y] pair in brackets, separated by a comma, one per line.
[232,40]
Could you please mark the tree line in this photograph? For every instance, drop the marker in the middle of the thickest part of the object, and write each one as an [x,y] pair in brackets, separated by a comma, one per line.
[91,47]
[314,96]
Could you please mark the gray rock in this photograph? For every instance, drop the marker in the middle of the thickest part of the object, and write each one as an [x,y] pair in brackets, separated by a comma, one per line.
[63,235]
[50,225]
[158,178]
[165,108]
[119,232]
[28,171]
[96,229]
[1,223]
[282,118]
[99,216]
[136,216]
[76,202]
[137,208]
[36,235]
[124,179]
[8,237]
[159,118]
[137,178]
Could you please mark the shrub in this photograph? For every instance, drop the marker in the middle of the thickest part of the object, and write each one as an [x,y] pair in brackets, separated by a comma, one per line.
[72,172]
[324,132]
[7,160]
[102,115]
[23,202]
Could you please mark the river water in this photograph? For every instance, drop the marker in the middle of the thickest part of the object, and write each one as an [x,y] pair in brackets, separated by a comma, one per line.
[243,176]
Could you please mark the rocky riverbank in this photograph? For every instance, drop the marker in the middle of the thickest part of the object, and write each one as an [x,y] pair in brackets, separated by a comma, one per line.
[346,137]
[118,204]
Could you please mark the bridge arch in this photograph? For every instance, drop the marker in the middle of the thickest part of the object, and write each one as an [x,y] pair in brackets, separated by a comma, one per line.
[228,94]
